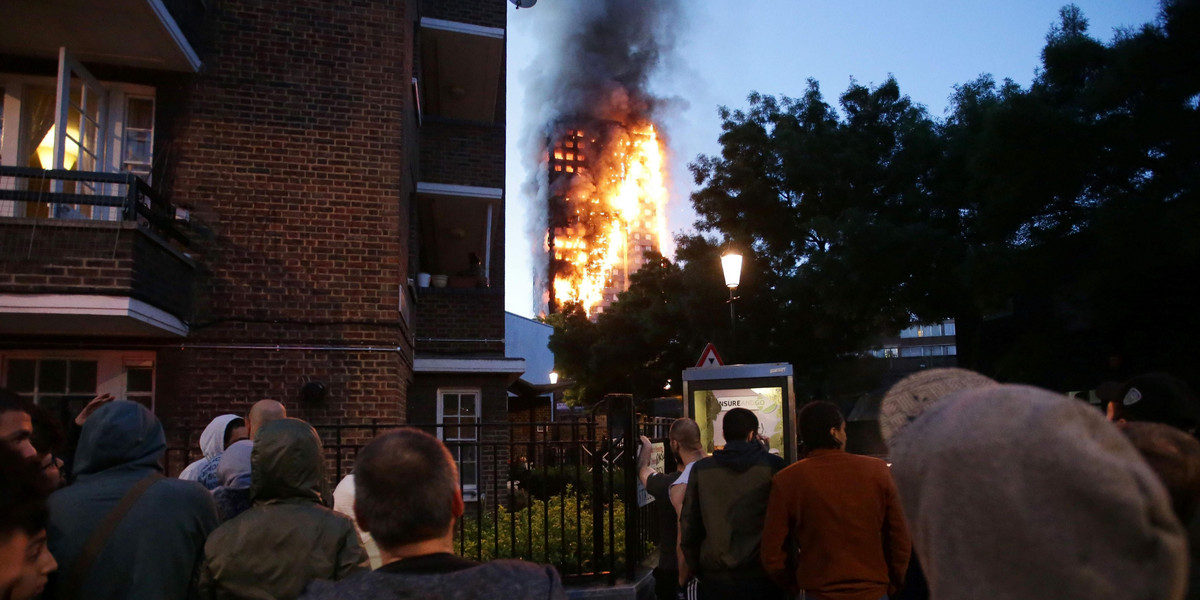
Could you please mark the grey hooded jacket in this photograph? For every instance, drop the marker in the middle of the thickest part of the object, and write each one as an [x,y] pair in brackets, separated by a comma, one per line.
[156,549]
[1013,492]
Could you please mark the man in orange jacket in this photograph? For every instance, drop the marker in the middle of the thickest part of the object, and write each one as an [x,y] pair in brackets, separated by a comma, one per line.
[839,517]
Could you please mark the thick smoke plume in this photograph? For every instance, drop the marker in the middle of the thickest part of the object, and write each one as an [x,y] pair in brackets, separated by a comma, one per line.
[594,66]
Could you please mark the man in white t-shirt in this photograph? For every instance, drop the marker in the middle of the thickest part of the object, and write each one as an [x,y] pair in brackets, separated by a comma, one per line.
[685,443]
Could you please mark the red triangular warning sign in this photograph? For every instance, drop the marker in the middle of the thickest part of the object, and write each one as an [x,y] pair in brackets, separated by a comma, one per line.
[710,357]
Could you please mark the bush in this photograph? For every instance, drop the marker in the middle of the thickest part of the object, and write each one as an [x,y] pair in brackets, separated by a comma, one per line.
[547,482]
[557,530]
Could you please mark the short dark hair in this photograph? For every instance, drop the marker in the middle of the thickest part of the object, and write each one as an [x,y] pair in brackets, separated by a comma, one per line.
[404,485]
[229,427]
[1158,398]
[686,433]
[23,493]
[1175,457]
[48,436]
[816,419]
[10,402]
[738,424]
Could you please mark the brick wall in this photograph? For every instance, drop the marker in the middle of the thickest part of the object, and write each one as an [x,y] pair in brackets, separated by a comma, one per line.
[96,258]
[209,381]
[292,147]
[470,313]
[462,153]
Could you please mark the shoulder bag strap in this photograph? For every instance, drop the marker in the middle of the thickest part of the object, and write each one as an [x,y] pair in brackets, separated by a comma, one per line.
[95,543]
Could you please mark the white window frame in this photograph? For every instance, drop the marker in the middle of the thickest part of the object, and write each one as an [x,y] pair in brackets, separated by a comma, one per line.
[110,368]
[470,488]
[112,142]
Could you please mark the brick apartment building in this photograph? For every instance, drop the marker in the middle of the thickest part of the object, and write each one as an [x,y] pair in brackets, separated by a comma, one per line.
[208,202]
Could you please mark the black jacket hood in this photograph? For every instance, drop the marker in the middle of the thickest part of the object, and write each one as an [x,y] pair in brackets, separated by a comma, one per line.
[120,434]
[287,463]
[740,456]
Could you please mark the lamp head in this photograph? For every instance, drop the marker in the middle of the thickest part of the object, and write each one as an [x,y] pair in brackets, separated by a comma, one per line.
[731,264]
[553,377]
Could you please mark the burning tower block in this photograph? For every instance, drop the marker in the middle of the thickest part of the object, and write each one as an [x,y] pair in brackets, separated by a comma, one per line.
[606,211]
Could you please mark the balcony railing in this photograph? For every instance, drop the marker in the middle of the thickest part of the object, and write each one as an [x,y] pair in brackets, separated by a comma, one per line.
[88,196]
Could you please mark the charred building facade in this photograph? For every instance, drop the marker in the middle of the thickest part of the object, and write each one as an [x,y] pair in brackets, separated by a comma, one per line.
[604,211]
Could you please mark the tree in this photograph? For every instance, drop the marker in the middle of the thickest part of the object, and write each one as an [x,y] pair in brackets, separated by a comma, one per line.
[1053,223]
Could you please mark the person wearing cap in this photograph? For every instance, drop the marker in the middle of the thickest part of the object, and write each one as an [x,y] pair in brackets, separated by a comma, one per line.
[1156,398]
[903,403]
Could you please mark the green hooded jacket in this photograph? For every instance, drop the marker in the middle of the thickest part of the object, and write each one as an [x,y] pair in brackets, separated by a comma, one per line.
[288,537]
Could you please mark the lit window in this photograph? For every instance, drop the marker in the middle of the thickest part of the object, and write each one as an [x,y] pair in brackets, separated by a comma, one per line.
[570,169]
[558,167]
[570,156]
[558,154]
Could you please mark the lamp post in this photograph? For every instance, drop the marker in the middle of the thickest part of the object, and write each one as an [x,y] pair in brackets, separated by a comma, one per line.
[731,265]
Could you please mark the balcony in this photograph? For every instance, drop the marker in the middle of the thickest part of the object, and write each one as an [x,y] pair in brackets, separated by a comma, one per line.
[90,254]
[149,34]
[462,68]
[460,321]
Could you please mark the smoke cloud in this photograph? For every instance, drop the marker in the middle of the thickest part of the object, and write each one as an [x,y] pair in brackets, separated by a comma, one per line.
[595,63]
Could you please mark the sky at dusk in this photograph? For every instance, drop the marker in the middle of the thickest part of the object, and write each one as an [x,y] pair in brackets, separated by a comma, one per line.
[726,49]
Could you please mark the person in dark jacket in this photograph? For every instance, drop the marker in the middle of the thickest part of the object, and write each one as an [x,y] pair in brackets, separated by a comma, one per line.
[723,512]
[155,549]
[288,537]
[407,495]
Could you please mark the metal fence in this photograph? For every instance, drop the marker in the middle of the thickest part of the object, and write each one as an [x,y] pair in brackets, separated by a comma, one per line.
[567,497]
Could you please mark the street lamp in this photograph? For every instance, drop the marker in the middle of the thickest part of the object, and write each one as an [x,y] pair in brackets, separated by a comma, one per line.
[731,264]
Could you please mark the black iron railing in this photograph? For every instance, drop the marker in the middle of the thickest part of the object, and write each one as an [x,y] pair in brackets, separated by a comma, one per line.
[568,498]
[86,196]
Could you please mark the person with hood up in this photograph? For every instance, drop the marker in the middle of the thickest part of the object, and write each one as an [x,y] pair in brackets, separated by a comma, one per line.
[1015,492]
[122,530]
[218,435]
[233,495]
[724,507]
[288,537]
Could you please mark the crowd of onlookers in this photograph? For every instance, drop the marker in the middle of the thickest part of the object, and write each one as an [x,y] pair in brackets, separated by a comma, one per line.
[992,490]
[253,518]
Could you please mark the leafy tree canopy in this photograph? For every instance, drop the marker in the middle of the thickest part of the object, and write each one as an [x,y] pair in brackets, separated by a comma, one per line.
[1053,223]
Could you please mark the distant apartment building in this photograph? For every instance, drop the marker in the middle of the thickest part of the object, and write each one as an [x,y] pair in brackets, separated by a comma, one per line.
[919,341]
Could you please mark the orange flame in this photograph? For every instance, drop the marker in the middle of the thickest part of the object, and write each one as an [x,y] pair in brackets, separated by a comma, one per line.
[616,203]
